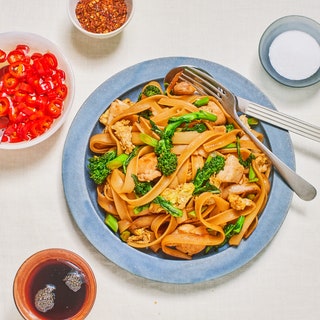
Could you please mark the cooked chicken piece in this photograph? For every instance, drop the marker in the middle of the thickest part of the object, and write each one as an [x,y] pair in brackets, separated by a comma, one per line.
[239,203]
[122,130]
[213,108]
[245,188]
[232,171]
[190,249]
[116,108]
[147,167]
[179,196]
[182,88]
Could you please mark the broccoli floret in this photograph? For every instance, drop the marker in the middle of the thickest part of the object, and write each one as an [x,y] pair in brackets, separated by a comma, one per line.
[168,161]
[229,127]
[143,187]
[211,166]
[151,90]
[101,166]
[230,230]
[97,166]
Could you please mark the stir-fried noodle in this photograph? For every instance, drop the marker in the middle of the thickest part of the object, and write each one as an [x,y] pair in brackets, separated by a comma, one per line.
[190,210]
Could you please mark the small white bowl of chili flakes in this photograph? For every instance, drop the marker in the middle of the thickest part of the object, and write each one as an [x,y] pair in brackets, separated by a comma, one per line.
[100,19]
[36,89]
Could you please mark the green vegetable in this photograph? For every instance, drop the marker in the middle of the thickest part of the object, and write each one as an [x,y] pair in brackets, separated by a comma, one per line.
[143,187]
[229,127]
[167,161]
[199,127]
[97,166]
[230,230]
[129,158]
[253,121]
[147,114]
[101,166]
[252,175]
[111,222]
[151,90]
[198,115]
[117,162]
[246,163]
[167,205]
[212,165]
[201,102]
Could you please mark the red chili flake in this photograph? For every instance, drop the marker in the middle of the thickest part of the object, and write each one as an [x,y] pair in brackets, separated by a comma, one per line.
[101,16]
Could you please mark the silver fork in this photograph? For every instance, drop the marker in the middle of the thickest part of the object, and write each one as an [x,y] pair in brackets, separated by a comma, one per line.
[208,85]
[253,109]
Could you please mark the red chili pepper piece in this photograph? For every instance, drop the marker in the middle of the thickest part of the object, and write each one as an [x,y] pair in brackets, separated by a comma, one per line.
[3,56]
[54,108]
[18,69]
[9,81]
[4,106]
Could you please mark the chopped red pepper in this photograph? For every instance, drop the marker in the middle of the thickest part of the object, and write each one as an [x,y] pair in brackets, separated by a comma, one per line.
[18,69]
[9,81]
[16,56]
[54,108]
[4,106]
[3,56]
[32,92]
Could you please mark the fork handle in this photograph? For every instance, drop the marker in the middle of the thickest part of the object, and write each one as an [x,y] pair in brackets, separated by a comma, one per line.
[279,119]
[300,186]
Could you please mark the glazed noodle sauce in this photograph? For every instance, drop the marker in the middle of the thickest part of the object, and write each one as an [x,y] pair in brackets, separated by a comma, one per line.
[209,218]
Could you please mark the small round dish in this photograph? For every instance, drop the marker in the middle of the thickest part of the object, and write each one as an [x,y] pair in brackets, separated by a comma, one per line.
[72,4]
[289,51]
[38,44]
[54,284]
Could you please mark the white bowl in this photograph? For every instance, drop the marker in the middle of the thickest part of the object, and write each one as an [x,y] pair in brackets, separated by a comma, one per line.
[291,25]
[72,14]
[8,42]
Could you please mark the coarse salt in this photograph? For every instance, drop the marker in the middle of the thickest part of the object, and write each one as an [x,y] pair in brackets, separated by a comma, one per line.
[295,55]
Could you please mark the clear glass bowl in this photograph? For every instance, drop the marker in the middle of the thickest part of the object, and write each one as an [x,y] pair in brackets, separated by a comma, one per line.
[54,284]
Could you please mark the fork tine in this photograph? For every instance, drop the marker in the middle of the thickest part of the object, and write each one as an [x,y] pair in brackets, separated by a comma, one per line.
[203,82]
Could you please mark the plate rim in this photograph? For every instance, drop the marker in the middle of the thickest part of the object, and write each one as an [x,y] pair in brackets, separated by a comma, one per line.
[130,259]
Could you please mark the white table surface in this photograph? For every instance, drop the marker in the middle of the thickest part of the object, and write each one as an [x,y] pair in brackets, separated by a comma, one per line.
[283,282]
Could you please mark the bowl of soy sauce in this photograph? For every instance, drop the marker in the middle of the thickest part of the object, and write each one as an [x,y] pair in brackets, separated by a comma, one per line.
[54,284]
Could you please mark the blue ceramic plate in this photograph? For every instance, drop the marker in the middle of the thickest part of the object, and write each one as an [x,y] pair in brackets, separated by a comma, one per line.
[81,194]
[288,23]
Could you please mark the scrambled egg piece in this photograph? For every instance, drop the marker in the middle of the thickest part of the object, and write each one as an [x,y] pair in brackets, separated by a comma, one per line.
[179,196]
[116,108]
[239,203]
[141,236]
[122,131]
[263,163]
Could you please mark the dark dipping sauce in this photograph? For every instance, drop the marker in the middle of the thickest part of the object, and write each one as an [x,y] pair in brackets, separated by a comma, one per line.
[53,274]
